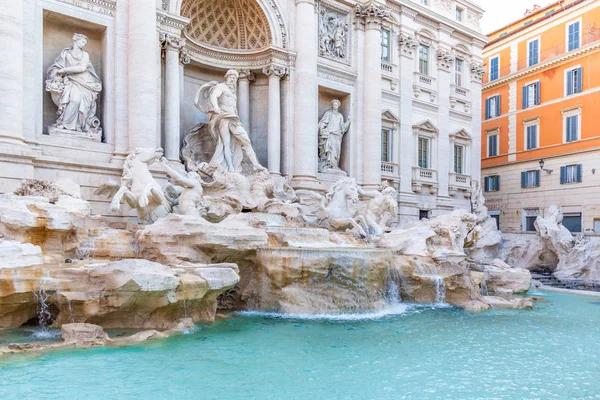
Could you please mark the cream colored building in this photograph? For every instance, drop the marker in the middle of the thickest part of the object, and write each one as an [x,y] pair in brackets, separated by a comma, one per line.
[407,73]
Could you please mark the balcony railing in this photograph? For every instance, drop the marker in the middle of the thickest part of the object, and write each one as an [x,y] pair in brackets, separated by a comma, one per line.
[459,91]
[544,55]
[386,67]
[460,181]
[424,177]
[425,81]
[389,169]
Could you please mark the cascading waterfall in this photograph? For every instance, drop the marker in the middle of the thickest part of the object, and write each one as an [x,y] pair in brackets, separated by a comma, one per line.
[438,281]
[483,287]
[44,317]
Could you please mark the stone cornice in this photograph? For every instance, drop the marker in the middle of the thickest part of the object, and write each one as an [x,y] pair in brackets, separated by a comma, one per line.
[238,59]
[336,75]
[595,46]
[170,21]
[105,7]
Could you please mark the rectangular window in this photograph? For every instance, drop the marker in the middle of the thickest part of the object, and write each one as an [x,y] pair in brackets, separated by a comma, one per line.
[531,140]
[492,107]
[533,52]
[386,154]
[494,68]
[423,152]
[385,45]
[491,183]
[596,225]
[424,60]
[530,223]
[459,14]
[572,221]
[530,178]
[573,34]
[572,128]
[424,2]
[424,214]
[574,81]
[459,158]
[571,174]
[492,142]
[531,95]
[529,217]
[458,72]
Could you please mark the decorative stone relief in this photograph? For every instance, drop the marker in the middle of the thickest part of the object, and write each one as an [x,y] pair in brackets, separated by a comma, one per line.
[408,44]
[74,87]
[275,70]
[372,13]
[333,34]
[445,59]
[219,102]
[445,4]
[332,128]
[473,18]
[477,71]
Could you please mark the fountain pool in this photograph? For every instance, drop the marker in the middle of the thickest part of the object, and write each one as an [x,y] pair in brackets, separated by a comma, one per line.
[412,352]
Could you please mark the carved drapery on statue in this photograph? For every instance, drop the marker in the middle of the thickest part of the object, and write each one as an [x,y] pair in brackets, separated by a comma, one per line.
[74,86]
[219,102]
[332,128]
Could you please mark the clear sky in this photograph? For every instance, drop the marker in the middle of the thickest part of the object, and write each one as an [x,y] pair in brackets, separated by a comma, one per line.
[501,12]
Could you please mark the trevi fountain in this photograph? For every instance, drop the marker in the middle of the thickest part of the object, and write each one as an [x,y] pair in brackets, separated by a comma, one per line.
[228,280]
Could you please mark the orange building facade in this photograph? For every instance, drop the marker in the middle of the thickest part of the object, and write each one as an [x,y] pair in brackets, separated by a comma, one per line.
[541,117]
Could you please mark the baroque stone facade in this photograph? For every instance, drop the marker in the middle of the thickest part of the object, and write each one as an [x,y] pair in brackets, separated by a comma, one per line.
[406,77]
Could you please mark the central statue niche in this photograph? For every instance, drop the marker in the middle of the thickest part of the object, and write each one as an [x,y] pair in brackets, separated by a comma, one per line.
[229,24]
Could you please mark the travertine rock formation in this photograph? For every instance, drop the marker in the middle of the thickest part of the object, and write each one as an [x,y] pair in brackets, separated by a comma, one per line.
[122,294]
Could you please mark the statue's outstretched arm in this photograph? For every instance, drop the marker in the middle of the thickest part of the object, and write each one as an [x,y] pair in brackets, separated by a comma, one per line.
[178,177]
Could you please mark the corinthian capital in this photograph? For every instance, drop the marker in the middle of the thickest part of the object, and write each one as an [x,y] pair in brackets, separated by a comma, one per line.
[246,74]
[477,72]
[275,70]
[171,42]
[371,13]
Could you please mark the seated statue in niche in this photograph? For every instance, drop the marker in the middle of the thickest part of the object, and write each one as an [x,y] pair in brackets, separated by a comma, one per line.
[331,131]
[219,101]
[74,86]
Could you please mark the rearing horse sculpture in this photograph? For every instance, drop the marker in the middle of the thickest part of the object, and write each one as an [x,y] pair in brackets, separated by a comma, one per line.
[138,188]
[336,208]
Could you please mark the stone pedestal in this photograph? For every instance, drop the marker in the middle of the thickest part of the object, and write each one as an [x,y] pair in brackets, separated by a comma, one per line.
[95,136]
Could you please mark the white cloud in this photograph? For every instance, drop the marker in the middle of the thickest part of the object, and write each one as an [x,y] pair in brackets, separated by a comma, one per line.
[499,13]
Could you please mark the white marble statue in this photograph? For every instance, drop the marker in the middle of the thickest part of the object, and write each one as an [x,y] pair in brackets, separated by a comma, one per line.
[382,203]
[190,199]
[138,187]
[337,208]
[74,86]
[219,101]
[332,128]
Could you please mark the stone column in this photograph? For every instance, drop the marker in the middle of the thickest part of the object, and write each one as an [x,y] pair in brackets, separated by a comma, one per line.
[11,74]
[477,70]
[246,76]
[408,207]
[184,59]
[172,45]
[306,94]
[372,16]
[445,63]
[275,74]
[142,74]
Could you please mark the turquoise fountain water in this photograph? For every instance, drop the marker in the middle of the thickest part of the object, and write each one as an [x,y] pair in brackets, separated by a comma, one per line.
[408,352]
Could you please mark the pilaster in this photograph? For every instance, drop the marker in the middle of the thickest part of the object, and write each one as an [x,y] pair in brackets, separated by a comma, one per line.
[275,73]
